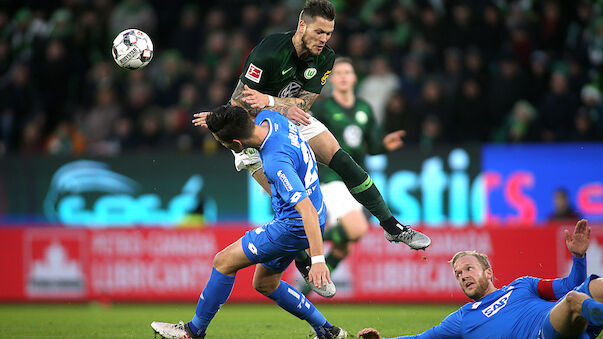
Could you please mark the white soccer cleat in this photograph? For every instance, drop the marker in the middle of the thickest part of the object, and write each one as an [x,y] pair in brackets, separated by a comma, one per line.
[172,331]
[414,239]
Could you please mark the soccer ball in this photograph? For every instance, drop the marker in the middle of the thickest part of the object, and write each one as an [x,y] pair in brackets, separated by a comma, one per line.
[132,49]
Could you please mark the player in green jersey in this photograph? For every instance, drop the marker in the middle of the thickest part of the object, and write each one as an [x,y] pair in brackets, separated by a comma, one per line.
[285,73]
[352,122]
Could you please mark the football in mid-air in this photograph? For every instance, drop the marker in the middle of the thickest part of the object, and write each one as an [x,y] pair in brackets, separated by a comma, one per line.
[132,49]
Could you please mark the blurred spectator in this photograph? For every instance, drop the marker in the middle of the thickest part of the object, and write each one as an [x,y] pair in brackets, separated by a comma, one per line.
[520,126]
[461,32]
[540,75]
[133,13]
[507,87]
[471,115]
[434,114]
[378,86]
[592,104]
[189,35]
[66,139]
[562,209]
[412,80]
[400,116]
[557,109]
[452,76]
[491,33]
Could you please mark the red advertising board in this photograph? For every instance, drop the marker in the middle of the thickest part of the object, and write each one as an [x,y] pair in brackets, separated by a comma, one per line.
[156,264]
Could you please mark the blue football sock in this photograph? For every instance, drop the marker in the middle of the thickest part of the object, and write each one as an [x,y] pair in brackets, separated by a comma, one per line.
[214,295]
[593,312]
[292,301]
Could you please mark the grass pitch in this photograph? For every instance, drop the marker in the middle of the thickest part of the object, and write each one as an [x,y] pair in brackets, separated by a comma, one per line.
[233,321]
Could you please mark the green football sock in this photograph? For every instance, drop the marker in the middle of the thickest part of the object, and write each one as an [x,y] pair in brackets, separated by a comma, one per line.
[360,184]
[336,234]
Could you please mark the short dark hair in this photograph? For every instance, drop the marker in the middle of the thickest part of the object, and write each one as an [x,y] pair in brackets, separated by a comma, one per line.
[343,60]
[230,122]
[321,8]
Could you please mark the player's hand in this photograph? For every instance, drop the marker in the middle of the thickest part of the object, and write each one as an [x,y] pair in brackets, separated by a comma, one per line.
[298,116]
[319,274]
[578,242]
[254,98]
[393,140]
[369,333]
[200,119]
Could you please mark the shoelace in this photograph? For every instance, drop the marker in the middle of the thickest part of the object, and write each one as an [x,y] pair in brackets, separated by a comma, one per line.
[407,233]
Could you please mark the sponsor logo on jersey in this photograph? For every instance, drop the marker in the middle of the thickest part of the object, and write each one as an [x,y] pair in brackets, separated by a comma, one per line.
[310,73]
[254,73]
[497,305]
[476,305]
[290,91]
[284,180]
[352,136]
[287,70]
[295,197]
[323,80]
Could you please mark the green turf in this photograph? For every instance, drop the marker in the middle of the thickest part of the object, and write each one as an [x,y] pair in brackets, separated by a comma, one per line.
[233,321]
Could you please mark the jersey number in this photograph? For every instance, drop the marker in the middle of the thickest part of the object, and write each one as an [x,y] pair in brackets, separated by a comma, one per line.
[310,160]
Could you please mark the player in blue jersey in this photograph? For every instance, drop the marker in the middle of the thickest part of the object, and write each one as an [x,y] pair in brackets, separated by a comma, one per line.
[299,219]
[523,309]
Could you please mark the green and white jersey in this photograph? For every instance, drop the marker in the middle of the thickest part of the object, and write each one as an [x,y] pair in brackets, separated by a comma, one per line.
[355,128]
[274,68]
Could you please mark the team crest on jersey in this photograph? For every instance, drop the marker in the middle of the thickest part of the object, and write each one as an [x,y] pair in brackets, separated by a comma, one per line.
[289,91]
[254,73]
[361,117]
[497,305]
[310,73]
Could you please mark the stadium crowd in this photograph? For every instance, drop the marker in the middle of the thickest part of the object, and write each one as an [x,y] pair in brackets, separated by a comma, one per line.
[444,71]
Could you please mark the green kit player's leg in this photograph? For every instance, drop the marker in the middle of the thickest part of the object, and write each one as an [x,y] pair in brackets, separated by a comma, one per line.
[362,188]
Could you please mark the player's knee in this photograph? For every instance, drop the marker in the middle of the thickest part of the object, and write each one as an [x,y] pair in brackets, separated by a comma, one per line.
[574,300]
[219,262]
[265,287]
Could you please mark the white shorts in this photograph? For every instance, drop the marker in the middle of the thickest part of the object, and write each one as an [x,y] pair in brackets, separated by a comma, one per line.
[338,200]
[313,129]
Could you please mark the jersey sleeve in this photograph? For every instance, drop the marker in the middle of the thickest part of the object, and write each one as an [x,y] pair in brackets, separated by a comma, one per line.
[553,289]
[258,66]
[286,182]
[316,83]
[449,328]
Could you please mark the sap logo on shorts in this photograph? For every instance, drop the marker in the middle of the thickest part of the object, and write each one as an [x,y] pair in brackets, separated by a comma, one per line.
[284,180]
[497,305]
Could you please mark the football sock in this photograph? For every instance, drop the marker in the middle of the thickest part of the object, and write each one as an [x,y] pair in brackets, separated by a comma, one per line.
[214,295]
[332,261]
[336,234]
[593,312]
[302,262]
[360,184]
[292,301]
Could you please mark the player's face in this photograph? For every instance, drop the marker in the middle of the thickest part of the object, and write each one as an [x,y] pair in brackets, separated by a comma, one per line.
[474,280]
[316,35]
[343,77]
[234,145]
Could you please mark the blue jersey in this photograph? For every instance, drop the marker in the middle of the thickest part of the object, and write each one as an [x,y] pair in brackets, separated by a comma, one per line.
[290,166]
[514,311]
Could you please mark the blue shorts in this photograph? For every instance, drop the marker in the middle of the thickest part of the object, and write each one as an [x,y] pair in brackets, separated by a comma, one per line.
[548,332]
[275,244]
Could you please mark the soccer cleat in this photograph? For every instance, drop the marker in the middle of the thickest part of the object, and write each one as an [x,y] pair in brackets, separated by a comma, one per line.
[327,291]
[174,331]
[334,333]
[414,239]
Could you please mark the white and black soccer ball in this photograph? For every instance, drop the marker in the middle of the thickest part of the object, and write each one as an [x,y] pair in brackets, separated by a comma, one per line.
[132,49]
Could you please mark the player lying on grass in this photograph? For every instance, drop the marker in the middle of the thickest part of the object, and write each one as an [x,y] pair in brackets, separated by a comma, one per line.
[352,122]
[522,308]
[285,72]
[299,218]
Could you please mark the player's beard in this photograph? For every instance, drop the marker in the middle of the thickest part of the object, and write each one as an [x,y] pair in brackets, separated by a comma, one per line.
[306,47]
[482,287]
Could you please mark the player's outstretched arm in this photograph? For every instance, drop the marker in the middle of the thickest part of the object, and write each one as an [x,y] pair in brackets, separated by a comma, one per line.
[319,272]
[577,243]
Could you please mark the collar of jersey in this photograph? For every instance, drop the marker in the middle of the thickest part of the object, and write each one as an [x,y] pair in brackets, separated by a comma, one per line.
[269,132]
